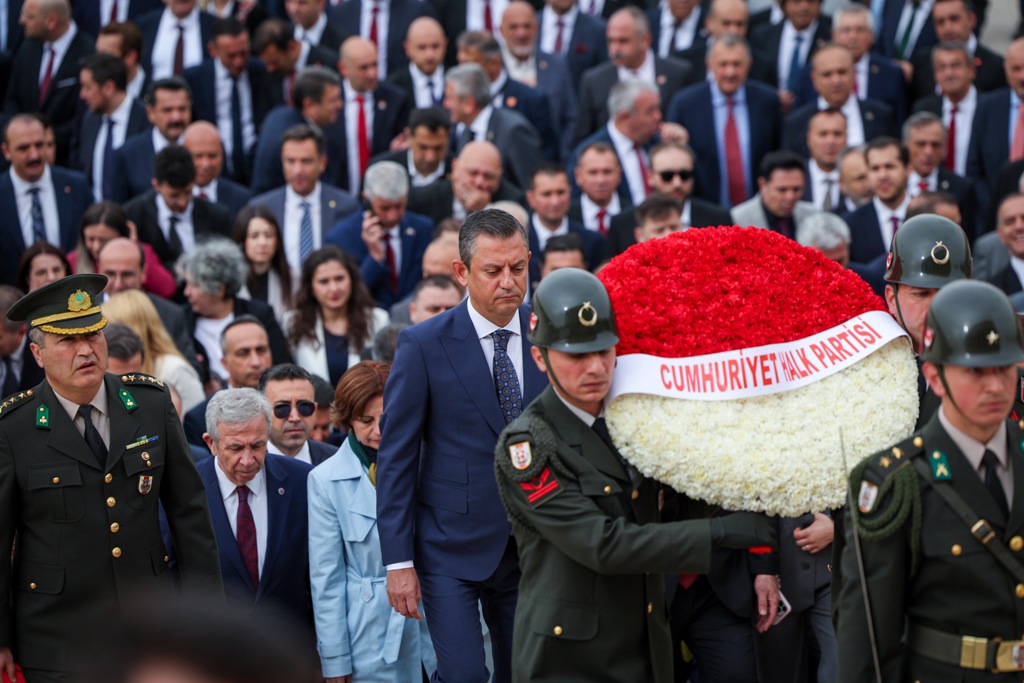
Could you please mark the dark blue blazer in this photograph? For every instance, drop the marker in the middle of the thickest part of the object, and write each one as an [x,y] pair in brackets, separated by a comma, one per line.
[416,232]
[877,118]
[320,451]
[766,41]
[194,423]
[87,14]
[588,46]
[532,104]
[83,141]
[691,107]
[865,234]
[202,79]
[73,197]
[345,18]
[885,84]
[625,197]
[437,499]
[594,248]
[149,24]
[133,167]
[232,196]
[885,36]
[990,145]
[284,581]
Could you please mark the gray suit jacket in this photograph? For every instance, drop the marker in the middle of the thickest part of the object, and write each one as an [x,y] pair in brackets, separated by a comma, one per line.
[335,204]
[990,256]
[518,142]
[751,213]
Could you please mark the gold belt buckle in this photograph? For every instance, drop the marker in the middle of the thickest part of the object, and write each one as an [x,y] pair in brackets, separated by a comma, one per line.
[1010,656]
[972,652]
[983,531]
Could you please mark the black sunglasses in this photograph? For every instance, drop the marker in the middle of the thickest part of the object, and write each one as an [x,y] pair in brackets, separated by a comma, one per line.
[283,410]
[683,173]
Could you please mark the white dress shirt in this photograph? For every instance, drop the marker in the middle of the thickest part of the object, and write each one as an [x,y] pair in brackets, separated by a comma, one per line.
[965,109]
[257,504]
[924,14]
[315,33]
[419,180]
[786,44]
[885,215]
[120,117]
[854,121]
[383,17]
[47,199]
[223,84]
[862,72]
[100,417]
[645,72]
[549,29]
[135,86]
[303,454]
[543,234]
[625,148]
[167,41]
[107,5]
[186,229]
[590,210]
[424,86]
[914,181]
[210,190]
[207,333]
[484,328]
[817,178]
[669,38]
[293,222]
[475,14]
[60,48]
[351,113]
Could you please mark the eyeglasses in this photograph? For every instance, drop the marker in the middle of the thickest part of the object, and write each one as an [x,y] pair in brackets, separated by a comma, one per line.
[683,173]
[283,410]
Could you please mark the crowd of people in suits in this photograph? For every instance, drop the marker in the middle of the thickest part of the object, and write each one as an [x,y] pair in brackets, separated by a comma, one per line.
[268,182]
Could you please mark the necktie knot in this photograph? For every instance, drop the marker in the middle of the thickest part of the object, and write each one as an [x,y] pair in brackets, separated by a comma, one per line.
[34,190]
[990,460]
[501,339]
[85,412]
[243,493]
[360,99]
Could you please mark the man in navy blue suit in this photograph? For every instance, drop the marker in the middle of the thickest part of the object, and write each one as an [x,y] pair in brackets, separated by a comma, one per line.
[179,23]
[582,44]
[203,142]
[258,507]
[457,380]
[905,31]
[757,116]
[390,34]
[289,390]
[41,202]
[873,225]
[386,240]
[92,16]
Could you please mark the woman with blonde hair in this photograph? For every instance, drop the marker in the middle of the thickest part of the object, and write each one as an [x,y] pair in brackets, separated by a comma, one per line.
[161,358]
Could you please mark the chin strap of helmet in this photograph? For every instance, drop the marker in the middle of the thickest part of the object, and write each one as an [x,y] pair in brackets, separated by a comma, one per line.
[899,313]
[945,385]
[551,373]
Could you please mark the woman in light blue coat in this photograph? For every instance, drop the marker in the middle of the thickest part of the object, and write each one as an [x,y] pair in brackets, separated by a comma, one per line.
[359,636]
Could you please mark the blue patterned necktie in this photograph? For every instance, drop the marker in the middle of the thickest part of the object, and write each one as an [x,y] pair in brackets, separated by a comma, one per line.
[38,224]
[305,232]
[505,380]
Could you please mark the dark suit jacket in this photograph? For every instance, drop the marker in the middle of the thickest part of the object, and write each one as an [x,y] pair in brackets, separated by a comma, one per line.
[173,317]
[963,191]
[207,219]
[865,234]
[625,197]
[767,39]
[1007,182]
[990,145]
[31,373]
[761,68]
[520,145]
[73,197]
[83,145]
[344,17]
[532,104]
[335,205]
[885,84]
[989,73]
[672,75]
[692,108]
[320,451]
[436,199]
[61,100]
[133,167]
[87,14]
[201,79]
[594,249]
[416,232]
[587,45]
[876,117]
[1007,280]
[458,527]
[401,157]
[554,81]
[149,24]
[232,196]
[702,215]
[885,35]
[284,581]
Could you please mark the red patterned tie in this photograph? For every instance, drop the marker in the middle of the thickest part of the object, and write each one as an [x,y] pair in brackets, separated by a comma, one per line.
[951,140]
[245,533]
[362,138]
[734,159]
[895,223]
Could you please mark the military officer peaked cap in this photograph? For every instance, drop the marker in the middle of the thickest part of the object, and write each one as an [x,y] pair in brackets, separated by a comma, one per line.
[928,251]
[972,324]
[572,312]
[67,306]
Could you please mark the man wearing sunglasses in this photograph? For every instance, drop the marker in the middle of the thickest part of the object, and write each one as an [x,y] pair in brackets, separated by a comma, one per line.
[289,390]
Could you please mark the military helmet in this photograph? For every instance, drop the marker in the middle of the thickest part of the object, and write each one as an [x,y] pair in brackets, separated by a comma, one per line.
[972,324]
[572,312]
[928,251]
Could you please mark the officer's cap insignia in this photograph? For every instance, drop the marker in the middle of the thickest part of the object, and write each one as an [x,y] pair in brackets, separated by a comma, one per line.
[868,496]
[940,466]
[587,314]
[540,488]
[79,301]
[520,454]
[940,254]
[145,483]
[992,338]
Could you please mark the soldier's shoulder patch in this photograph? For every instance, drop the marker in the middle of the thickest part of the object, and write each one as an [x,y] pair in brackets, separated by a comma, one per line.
[13,401]
[869,480]
[524,448]
[141,379]
[542,487]
[883,463]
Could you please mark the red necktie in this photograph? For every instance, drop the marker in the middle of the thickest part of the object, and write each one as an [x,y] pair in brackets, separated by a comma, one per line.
[558,36]
[44,87]
[389,256]
[179,52]
[202,195]
[373,23]
[895,223]
[643,169]
[602,227]
[951,140]
[362,138]
[923,186]
[1017,148]
[245,534]
[113,12]
[686,580]
[734,159]
[488,23]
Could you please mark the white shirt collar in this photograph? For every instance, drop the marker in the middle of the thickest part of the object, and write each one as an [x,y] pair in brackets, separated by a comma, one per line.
[257,487]
[303,454]
[484,327]
[60,46]
[21,185]
[99,402]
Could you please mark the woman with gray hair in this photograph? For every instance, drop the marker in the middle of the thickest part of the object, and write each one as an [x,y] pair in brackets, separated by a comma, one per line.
[214,273]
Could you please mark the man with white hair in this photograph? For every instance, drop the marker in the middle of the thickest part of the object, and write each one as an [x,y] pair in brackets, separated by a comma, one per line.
[828,233]
[387,240]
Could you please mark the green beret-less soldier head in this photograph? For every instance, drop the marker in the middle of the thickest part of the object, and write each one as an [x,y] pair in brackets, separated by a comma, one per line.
[926,253]
[573,331]
[972,344]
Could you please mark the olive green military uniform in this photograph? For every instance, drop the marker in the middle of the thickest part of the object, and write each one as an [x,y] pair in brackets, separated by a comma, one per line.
[591,602]
[86,536]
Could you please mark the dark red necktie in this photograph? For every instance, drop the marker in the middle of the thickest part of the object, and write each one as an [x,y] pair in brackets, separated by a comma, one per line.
[44,87]
[179,52]
[113,12]
[734,159]
[923,186]
[362,138]
[558,36]
[488,22]
[602,227]
[373,23]
[895,223]
[951,140]
[644,174]
[389,255]
[245,533]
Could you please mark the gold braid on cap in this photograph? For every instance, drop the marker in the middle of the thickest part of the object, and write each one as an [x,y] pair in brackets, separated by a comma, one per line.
[69,315]
[73,330]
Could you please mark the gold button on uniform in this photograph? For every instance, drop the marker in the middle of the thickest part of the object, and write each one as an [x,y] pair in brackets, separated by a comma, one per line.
[111,502]
[557,630]
[918,441]
[1019,591]
[33,585]
[1016,544]
[56,480]
[109,478]
[650,607]
[956,550]
[635,494]
[607,490]
[167,558]
[115,527]
[116,552]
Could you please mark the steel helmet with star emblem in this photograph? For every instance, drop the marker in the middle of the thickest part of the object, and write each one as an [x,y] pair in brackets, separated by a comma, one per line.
[929,251]
[972,324]
[572,312]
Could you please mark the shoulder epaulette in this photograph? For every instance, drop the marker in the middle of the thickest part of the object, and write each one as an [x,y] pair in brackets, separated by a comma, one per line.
[143,379]
[883,464]
[14,400]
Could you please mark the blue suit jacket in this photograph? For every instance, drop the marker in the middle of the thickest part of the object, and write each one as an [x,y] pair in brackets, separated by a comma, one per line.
[73,197]
[232,196]
[691,107]
[437,499]
[885,84]
[587,45]
[885,40]
[594,249]
[87,14]
[990,145]
[865,234]
[625,197]
[284,581]
[416,232]
[133,167]
[345,18]
[83,140]
[149,24]
[533,105]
